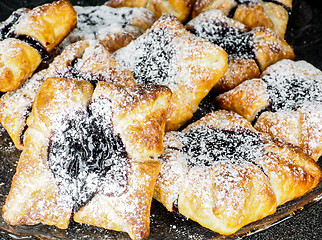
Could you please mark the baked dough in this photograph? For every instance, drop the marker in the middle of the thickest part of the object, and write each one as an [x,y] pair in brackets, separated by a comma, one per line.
[90,154]
[18,61]
[48,24]
[84,60]
[285,103]
[235,174]
[113,27]
[40,30]
[250,52]
[270,14]
[168,54]
[180,8]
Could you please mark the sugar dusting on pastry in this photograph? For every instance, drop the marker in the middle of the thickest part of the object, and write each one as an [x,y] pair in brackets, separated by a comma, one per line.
[96,22]
[87,157]
[151,58]
[225,32]
[205,146]
[289,87]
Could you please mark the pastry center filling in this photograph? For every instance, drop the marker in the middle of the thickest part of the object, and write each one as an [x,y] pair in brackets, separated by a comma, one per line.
[205,146]
[289,92]
[7,27]
[236,43]
[87,157]
[151,58]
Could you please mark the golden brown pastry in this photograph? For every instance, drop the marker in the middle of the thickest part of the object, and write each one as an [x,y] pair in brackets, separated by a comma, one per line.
[180,8]
[48,24]
[91,155]
[18,61]
[250,52]
[84,60]
[113,27]
[256,13]
[41,29]
[285,103]
[168,54]
[235,174]
[15,107]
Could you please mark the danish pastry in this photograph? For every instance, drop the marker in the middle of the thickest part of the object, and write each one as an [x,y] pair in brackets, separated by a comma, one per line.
[250,52]
[180,8]
[18,61]
[41,29]
[285,102]
[168,54]
[255,13]
[235,174]
[47,25]
[83,60]
[91,155]
[114,28]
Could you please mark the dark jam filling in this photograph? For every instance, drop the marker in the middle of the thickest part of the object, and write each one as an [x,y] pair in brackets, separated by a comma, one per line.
[94,18]
[87,157]
[7,27]
[153,61]
[236,43]
[205,146]
[93,77]
[46,57]
[289,92]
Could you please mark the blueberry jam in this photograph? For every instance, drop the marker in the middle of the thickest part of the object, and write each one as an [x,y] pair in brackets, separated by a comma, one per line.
[87,157]
[205,146]
[151,58]
[236,43]
[289,91]
[7,27]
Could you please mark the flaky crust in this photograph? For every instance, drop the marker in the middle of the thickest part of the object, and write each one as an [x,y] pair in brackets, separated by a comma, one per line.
[95,64]
[15,107]
[273,15]
[180,8]
[250,51]
[270,48]
[138,118]
[49,24]
[239,70]
[113,27]
[247,99]
[33,182]
[192,66]
[18,61]
[227,196]
[299,124]
[90,60]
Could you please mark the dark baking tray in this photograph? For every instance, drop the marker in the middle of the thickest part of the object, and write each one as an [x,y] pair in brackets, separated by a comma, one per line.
[298,219]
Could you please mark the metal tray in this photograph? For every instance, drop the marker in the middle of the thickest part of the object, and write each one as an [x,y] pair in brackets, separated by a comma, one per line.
[298,219]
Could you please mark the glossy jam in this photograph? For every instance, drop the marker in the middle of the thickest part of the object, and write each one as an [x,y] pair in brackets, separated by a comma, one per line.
[236,43]
[289,91]
[87,157]
[205,146]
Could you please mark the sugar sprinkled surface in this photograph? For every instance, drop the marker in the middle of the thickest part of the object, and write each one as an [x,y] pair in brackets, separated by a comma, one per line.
[224,32]
[289,90]
[87,157]
[96,22]
[152,58]
[204,146]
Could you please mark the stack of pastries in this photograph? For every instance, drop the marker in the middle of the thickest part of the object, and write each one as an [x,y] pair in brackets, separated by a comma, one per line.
[101,99]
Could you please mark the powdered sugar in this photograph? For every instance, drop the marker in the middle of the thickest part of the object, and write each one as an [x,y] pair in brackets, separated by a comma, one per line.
[87,157]
[205,146]
[152,58]
[227,33]
[96,22]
